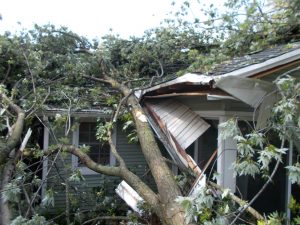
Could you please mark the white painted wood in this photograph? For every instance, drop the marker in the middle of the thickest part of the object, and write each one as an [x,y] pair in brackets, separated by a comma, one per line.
[45,159]
[189,77]
[75,140]
[288,188]
[112,158]
[25,140]
[208,114]
[227,154]
[129,195]
[182,123]
[196,151]
[199,184]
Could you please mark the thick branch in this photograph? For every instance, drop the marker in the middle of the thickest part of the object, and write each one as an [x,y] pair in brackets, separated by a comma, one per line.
[84,158]
[97,79]
[162,175]
[167,209]
[17,130]
[239,201]
[134,181]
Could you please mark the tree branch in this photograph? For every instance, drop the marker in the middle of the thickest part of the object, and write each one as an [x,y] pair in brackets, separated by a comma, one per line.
[121,171]
[239,201]
[17,129]
[97,79]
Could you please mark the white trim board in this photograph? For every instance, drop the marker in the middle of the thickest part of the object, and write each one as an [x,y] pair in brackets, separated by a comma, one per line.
[210,114]
[45,161]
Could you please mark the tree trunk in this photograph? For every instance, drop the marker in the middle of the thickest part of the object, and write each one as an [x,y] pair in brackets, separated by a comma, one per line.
[5,210]
[168,210]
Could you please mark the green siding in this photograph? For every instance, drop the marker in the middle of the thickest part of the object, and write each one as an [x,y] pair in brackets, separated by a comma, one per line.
[132,155]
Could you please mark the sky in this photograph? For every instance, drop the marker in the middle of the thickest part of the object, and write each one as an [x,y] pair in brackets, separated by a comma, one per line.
[90,18]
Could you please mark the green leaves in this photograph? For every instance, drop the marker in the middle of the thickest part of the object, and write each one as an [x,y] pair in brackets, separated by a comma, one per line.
[229,129]
[294,173]
[207,207]
[35,220]
[76,176]
[102,131]
[11,192]
[48,199]
[246,167]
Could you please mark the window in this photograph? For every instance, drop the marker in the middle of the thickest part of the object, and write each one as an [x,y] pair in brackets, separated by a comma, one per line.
[99,152]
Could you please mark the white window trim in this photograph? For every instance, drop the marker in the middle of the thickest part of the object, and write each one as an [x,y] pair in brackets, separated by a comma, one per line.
[83,169]
[45,159]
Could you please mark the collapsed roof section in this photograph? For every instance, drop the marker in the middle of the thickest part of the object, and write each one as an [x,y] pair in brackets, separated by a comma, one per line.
[172,121]
[179,125]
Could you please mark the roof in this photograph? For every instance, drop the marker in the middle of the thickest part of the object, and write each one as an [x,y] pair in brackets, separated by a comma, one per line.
[254,58]
[245,66]
[183,124]
[103,112]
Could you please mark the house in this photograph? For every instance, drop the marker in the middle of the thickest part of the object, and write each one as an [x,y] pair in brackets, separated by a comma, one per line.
[59,167]
[185,113]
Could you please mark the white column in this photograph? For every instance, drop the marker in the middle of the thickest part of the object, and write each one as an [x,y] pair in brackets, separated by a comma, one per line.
[45,158]
[288,183]
[226,156]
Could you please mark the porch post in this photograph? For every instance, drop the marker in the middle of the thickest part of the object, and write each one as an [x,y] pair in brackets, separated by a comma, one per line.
[226,156]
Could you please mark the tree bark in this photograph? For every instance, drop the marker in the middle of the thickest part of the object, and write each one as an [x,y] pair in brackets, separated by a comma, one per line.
[170,211]
[6,178]
[9,154]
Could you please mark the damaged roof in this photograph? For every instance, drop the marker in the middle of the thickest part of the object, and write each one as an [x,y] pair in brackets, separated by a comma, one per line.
[254,58]
[245,66]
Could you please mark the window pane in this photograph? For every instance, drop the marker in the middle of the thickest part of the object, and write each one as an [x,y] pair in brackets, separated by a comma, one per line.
[99,152]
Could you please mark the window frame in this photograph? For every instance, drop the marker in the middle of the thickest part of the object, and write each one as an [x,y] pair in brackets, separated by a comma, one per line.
[75,141]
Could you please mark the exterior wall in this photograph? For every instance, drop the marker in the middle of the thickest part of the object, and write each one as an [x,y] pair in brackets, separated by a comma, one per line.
[131,153]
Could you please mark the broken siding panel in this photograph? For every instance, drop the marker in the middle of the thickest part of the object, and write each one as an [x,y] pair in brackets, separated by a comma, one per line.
[194,135]
[129,195]
[179,121]
[183,124]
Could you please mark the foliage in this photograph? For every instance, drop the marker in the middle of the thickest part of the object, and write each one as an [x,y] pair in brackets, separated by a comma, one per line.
[76,176]
[11,192]
[48,199]
[102,130]
[284,121]
[208,206]
[43,68]
[235,27]
[35,220]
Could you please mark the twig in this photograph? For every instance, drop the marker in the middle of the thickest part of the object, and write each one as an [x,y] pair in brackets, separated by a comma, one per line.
[157,74]
[43,181]
[42,103]
[6,74]
[106,218]
[239,201]
[27,199]
[32,78]
[261,190]
[68,125]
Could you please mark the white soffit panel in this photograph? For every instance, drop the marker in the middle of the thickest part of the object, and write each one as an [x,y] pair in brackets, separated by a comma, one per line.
[250,91]
[129,195]
[182,123]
